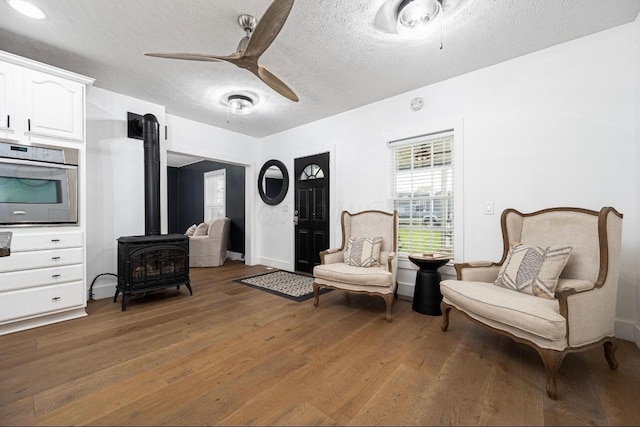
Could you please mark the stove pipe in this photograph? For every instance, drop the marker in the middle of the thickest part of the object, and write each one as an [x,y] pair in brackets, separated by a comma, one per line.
[151,139]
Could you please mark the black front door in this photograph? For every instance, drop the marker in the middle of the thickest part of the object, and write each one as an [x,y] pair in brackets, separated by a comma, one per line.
[311,177]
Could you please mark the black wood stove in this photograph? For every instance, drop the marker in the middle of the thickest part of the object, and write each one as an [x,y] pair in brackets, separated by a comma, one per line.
[153,261]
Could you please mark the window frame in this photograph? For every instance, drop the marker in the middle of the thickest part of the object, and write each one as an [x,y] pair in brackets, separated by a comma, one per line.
[454,126]
[209,175]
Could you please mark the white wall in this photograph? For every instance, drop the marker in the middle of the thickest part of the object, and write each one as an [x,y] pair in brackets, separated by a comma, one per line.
[115,179]
[553,128]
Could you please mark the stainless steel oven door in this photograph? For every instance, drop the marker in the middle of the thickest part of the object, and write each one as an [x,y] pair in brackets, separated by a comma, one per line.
[33,193]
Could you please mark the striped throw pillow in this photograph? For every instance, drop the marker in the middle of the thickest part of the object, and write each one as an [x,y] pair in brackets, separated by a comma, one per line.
[533,270]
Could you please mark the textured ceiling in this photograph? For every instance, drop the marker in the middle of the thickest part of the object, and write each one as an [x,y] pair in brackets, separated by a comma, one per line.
[335,54]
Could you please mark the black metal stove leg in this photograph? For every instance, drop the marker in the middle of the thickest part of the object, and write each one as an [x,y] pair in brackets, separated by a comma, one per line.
[188,285]
[115,297]
[125,300]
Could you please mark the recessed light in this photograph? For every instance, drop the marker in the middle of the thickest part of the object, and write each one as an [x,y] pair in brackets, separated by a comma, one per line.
[240,104]
[416,15]
[27,9]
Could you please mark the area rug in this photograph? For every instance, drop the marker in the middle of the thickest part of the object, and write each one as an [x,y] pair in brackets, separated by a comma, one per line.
[294,286]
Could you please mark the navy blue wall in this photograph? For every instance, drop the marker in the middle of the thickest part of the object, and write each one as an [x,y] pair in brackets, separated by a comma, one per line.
[185,198]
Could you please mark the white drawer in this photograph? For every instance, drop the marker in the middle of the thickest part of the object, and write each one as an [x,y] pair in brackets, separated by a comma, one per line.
[42,300]
[36,242]
[40,259]
[39,277]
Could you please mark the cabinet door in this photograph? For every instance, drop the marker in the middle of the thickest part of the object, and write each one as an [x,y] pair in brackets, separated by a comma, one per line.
[7,100]
[53,106]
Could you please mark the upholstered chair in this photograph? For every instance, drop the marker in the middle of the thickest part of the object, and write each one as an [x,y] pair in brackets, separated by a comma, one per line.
[367,261]
[208,248]
[554,288]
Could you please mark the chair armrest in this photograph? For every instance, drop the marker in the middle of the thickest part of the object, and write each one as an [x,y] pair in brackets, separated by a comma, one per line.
[568,287]
[589,311]
[331,256]
[575,285]
[392,258]
[478,271]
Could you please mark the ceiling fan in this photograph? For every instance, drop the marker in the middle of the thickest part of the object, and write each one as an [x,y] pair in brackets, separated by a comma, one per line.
[259,36]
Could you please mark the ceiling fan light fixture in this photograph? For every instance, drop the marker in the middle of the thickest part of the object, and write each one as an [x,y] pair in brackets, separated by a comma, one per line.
[27,9]
[416,15]
[240,104]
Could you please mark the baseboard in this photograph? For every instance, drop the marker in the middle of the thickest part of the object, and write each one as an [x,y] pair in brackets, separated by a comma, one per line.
[406,289]
[627,331]
[275,263]
[103,287]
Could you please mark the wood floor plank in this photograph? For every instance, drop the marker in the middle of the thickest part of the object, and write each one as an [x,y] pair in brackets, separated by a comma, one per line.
[234,355]
[520,370]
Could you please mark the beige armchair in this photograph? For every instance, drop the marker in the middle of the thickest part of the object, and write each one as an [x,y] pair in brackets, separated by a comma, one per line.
[578,315]
[339,268]
[210,250]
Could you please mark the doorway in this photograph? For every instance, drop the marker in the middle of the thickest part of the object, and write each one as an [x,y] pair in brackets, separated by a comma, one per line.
[311,216]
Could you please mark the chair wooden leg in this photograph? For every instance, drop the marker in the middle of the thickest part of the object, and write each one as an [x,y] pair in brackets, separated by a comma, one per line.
[445,308]
[552,360]
[316,288]
[388,299]
[610,348]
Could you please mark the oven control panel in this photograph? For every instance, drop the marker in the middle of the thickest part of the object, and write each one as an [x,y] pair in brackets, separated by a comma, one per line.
[27,152]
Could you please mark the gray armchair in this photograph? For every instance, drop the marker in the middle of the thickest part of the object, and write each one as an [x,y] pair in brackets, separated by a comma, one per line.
[210,250]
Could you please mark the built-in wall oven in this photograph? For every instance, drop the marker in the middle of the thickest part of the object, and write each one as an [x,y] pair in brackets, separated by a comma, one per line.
[38,185]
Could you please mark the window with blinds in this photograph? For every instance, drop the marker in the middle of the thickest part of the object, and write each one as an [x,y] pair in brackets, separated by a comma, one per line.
[422,193]
[215,188]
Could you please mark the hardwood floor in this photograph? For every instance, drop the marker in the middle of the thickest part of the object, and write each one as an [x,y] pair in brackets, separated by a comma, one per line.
[231,354]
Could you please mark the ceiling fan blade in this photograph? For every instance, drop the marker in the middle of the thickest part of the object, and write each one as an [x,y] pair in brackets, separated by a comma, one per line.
[268,28]
[193,56]
[276,84]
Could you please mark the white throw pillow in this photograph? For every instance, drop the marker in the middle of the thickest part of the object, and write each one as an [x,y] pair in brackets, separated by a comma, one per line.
[201,230]
[190,230]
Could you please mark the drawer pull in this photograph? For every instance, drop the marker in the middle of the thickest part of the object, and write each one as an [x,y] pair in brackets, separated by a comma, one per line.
[55,276]
[55,299]
[19,213]
[55,258]
[55,240]
[8,121]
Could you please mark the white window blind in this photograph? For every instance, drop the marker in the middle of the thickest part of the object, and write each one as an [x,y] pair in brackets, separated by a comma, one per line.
[215,188]
[422,193]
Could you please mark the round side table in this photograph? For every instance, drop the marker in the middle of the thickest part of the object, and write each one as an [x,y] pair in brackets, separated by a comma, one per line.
[426,295]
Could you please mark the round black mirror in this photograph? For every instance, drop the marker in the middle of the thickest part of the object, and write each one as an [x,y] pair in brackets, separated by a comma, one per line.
[273,182]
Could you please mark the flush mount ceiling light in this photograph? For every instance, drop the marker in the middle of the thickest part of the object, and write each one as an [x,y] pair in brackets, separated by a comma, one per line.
[27,9]
[416,15]
[240,104]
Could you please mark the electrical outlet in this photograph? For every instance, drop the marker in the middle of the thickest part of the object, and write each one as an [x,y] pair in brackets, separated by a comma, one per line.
[488,208]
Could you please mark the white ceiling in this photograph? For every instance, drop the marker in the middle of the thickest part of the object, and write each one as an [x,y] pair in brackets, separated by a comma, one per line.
[335,54]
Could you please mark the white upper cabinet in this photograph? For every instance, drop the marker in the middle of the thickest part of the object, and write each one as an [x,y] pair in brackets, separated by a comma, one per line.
[53,107]
[40,103]
[7,99]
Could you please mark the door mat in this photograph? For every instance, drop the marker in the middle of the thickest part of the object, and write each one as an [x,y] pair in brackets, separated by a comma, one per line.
[294,286]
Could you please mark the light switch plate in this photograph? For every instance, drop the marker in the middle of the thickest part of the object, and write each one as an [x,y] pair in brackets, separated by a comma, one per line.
[488,208]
